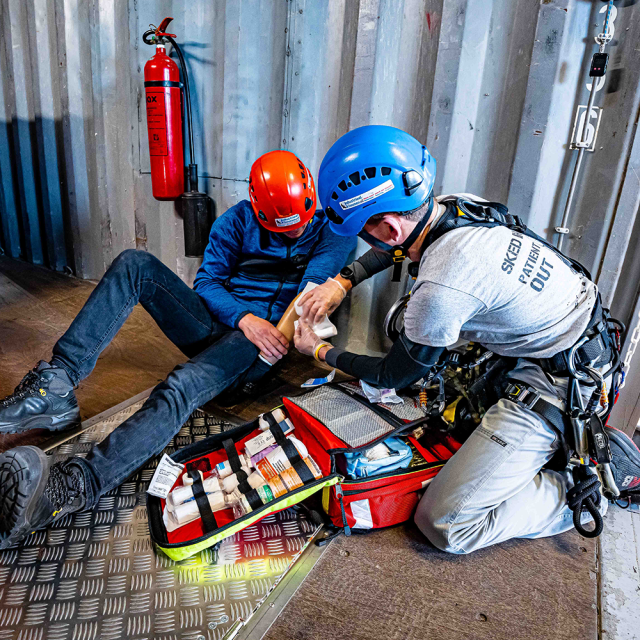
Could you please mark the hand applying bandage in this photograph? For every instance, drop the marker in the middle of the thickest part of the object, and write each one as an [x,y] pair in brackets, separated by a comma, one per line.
[322,301]
[308,343]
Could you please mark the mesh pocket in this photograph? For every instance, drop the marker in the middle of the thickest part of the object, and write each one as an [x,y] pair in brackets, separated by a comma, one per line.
[349,420]
[408,410]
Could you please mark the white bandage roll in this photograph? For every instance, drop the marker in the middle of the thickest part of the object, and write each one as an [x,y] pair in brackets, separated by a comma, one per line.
[183,494]
[213,484]
[188,511]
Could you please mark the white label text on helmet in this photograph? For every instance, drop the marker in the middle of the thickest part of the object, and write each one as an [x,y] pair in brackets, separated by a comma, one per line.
[287,222]
[367,195]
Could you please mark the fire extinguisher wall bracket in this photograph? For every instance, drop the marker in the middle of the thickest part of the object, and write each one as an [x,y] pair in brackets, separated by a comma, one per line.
[198,212]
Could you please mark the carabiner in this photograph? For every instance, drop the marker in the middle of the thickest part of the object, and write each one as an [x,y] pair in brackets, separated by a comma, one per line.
[571,364]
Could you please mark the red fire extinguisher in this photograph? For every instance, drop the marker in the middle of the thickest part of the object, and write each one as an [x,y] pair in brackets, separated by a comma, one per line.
[164,120]
[164,92]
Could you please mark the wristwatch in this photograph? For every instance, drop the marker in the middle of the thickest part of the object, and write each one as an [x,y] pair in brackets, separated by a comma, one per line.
[348,274]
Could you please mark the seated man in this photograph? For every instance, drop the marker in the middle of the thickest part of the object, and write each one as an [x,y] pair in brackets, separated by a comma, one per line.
[259,256]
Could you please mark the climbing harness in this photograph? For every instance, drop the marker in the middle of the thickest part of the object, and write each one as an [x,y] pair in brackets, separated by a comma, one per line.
[581,423]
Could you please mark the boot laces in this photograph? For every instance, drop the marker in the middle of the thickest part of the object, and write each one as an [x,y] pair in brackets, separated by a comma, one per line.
[28,386]
[63,487]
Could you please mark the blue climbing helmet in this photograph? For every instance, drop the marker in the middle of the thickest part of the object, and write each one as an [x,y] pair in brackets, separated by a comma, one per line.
[373,169]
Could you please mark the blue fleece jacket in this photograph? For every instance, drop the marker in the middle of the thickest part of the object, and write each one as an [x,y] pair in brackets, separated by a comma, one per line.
[231,291]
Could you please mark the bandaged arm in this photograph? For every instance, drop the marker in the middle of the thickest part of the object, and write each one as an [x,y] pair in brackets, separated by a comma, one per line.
[405,363]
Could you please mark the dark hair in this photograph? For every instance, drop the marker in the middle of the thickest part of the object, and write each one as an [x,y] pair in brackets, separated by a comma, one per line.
[411,216]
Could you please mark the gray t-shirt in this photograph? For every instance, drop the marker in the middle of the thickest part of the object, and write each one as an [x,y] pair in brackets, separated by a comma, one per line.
[501,289]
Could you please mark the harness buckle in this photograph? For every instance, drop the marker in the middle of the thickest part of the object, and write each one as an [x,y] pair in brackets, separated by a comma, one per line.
[522,395]
[398,255]
[519,225]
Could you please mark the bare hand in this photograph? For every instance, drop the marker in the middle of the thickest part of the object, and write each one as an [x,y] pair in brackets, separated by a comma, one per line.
[264,335]
[321,301]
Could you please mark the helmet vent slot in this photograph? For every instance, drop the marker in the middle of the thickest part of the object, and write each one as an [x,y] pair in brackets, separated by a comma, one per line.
[385,171]
[355,178]
[342,186]
[333,216]
[308,202]
[370,172]
[334,195]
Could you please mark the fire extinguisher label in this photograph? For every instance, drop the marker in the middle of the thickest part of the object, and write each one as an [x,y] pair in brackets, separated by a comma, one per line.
[157,123]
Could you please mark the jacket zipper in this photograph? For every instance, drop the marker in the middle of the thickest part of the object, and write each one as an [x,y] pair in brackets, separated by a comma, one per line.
[279,289]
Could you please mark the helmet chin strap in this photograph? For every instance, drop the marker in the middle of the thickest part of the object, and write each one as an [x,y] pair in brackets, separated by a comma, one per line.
[399,252]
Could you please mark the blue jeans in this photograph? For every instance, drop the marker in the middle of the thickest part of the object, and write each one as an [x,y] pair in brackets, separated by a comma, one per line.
[219,358]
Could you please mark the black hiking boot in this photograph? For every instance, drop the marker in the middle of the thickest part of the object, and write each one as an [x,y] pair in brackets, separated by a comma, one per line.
[625,462]
[43,400]
[34,492]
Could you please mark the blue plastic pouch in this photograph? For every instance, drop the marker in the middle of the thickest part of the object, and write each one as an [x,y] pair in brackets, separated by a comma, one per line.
[389,455]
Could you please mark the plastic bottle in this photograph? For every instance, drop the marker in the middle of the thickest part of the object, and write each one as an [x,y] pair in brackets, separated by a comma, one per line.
[280,485]
[241,505]
[276,461]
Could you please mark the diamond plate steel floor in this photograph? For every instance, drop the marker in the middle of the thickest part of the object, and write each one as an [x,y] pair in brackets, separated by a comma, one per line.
[96,575]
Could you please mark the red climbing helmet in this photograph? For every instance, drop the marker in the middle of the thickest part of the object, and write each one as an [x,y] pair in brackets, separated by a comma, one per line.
[282,192]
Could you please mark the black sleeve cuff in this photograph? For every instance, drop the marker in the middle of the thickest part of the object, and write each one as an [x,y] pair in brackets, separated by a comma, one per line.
[372,262]
[331,357]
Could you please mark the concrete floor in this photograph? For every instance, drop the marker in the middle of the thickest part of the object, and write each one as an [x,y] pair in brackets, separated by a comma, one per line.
[388,584]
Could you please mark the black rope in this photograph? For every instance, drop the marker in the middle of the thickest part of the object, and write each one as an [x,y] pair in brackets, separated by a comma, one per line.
[585,497]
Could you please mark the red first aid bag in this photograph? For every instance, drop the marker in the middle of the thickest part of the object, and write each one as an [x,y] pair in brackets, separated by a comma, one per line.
[342,420]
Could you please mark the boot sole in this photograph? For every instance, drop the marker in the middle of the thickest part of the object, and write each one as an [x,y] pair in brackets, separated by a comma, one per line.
[630,450]
[23,477]
[40,422]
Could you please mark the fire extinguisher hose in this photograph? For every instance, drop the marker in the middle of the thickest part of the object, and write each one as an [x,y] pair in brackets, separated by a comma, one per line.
[193,170]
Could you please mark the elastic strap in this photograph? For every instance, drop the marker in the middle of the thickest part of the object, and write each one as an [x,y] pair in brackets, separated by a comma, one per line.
[209,523]
[399,253]
[289,449]
[236,466]
[253,499]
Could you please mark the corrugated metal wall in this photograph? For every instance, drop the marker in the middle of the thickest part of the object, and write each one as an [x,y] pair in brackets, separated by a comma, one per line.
[492,86]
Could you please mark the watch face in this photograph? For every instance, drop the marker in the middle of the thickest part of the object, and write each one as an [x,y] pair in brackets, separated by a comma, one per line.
[347,274]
